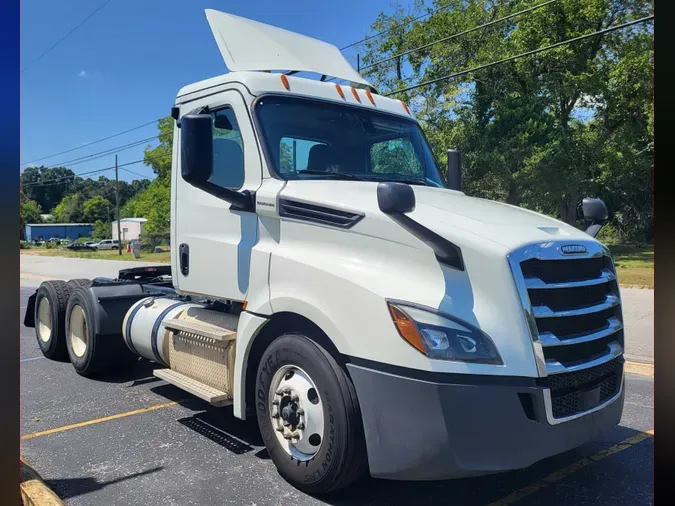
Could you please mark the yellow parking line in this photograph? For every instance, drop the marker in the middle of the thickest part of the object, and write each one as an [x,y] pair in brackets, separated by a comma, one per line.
[96,420]
[575,466]
[639,368]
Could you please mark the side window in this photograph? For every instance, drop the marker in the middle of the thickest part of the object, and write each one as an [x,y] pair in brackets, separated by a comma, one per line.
[228,153]
[395,156]
[294,154]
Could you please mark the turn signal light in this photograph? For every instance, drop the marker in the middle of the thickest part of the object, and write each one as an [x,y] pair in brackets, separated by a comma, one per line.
[406,328]
[284,81]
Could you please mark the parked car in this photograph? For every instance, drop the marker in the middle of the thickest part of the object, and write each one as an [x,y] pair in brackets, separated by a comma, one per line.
[91,244]
[108,244]
[80,246]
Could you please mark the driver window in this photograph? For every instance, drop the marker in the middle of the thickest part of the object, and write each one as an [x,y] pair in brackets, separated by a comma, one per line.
[228,154]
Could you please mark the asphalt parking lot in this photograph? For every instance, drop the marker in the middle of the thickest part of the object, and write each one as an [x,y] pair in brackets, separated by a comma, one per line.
[136,440]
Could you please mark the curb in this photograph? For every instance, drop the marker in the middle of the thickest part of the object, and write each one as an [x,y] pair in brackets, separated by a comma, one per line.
[34,491]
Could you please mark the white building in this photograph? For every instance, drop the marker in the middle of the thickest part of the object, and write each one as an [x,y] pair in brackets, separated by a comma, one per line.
[130,228]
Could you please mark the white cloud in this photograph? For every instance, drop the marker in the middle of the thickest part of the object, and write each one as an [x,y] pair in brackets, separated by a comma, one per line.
[83,73]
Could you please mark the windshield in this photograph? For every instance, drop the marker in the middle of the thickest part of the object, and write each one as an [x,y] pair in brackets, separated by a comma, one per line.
[313,139]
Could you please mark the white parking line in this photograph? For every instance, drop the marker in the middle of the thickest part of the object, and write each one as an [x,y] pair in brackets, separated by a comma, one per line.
[32,358]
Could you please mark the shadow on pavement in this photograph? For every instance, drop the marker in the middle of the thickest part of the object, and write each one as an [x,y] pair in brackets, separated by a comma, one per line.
[72,487]
[139,374]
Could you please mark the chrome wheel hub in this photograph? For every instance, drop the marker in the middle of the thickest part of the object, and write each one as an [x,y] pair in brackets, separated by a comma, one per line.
[296,411]
[44,317]
[77,332]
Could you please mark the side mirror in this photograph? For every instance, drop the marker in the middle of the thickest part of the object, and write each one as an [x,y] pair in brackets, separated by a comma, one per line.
[196,148]
[595,215]
[196,166]
[395,198]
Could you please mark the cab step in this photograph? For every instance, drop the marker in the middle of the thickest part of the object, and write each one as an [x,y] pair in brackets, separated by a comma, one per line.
[211,395]
[196,328]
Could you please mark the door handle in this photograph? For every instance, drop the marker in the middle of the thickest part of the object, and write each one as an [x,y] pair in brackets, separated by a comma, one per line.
[184,254]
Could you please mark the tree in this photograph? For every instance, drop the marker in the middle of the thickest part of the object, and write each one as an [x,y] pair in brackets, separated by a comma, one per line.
[101,230]
[159,157]
[30,212]
[47,186]
[154,204]
[69,210]
[96,209]
[542,131]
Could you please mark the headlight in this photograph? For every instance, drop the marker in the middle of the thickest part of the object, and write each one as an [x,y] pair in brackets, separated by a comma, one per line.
[441,336]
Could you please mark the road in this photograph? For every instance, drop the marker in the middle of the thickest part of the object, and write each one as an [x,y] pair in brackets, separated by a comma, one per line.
[134,439]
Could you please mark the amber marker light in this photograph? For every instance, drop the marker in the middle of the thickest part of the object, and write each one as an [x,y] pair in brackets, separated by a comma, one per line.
[406,328]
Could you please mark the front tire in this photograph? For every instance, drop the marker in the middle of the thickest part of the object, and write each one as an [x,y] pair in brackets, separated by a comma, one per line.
[50,308]
[309,416]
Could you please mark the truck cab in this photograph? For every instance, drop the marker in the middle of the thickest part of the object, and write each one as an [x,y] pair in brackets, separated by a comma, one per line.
[333,285]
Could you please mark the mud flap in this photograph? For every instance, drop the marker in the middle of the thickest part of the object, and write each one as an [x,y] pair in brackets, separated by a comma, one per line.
[29,318]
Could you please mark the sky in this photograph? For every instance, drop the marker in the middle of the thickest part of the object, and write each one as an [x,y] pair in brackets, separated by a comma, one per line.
[124,66]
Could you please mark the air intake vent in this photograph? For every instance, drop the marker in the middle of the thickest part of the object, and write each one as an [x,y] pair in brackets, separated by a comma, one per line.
[318,214]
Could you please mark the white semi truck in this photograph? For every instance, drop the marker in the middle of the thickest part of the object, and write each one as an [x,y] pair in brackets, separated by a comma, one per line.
[326,280]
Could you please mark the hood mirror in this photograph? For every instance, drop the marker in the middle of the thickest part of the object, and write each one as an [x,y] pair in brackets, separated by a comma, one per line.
[595,215]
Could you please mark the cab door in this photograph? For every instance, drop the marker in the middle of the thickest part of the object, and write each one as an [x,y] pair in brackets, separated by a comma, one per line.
[212,243]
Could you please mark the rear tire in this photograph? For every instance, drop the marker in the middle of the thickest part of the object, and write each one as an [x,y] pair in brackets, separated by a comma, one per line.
[340,457]
[50,309]
[73,284]
[89,352]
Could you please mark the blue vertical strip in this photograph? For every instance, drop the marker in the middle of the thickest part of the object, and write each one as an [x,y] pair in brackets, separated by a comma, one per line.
[10,124]
[9,250]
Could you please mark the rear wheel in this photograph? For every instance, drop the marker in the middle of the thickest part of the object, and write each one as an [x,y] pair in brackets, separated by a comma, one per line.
[309,416]
[89,352]
[50,308]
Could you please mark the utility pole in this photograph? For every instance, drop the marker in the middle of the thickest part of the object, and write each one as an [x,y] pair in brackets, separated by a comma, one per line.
[117,208]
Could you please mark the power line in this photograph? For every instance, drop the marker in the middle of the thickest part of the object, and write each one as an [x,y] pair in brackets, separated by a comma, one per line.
[57,180]
[101,154]
[135,173]
[94,142]
[62,178]
[66,35]
[384,32]
[528,53]
[465,32]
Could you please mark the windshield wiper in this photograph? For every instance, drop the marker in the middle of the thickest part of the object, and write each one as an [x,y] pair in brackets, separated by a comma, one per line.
[422,182]
[334,175]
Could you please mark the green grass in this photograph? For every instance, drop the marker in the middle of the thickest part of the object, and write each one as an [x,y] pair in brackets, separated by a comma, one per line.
[164,257]
[634,265]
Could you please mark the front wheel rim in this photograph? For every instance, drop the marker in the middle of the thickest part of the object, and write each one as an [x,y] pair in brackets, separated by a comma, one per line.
[44,320]
[78,331]
[296,411]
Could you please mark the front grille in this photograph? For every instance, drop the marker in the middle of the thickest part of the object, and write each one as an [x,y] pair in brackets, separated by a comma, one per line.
[583,390]
[574,306]
[561,383]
